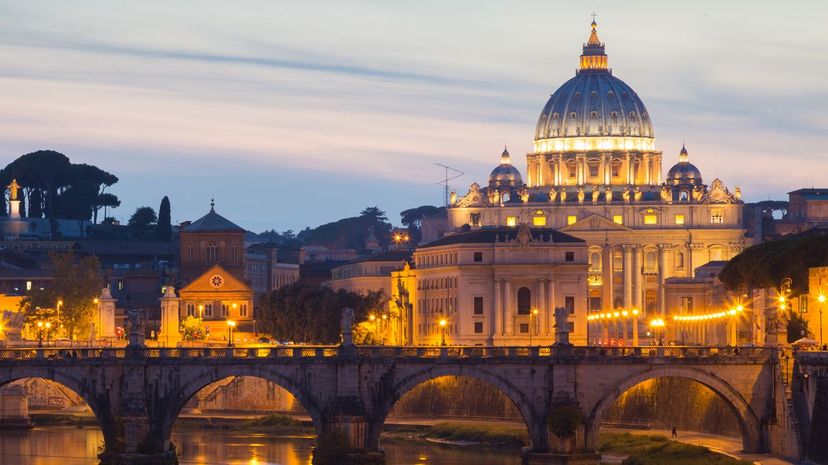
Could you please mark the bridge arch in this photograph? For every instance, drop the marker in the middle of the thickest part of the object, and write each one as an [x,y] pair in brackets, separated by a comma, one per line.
[534,420]
[205,377]
[748,421]
[68,378]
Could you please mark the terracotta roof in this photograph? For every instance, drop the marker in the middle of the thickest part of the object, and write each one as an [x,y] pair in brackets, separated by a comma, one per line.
[213,222]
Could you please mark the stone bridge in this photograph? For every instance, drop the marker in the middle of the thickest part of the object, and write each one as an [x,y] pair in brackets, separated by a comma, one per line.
[137,393]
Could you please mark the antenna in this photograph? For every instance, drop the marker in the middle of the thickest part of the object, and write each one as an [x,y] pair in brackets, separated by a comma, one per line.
[448,178]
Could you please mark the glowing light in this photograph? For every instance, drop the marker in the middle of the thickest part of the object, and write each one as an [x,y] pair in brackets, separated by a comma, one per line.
[821,298]
[657,323]
[534,311]
[782,299]
[739,308]
[443,322]
[635,311]
[511,221]
[231,323]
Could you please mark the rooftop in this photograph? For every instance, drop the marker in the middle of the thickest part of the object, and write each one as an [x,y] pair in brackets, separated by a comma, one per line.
[507,234]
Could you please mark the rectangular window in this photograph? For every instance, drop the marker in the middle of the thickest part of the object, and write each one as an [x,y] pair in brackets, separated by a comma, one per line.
[474,219]
[569,256]
[593,171]
[190,253]
[478,327]
[539,221]
[208,310]
[595,303]
[687,304]
[615,171]
[571,171]
[618,219]
[478,305]
[225,310]
[650,219]
[717,217]
[28,285]
[243,310]
[679,219]
[571,219]
[524,328]
[569,303]
[478,257]
[511,221]
[190,309]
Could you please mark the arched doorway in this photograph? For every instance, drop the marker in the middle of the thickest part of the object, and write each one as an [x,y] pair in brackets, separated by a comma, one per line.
[706,385]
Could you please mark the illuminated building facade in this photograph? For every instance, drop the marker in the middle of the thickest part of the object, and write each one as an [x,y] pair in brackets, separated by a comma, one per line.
[493,286]
[595,174]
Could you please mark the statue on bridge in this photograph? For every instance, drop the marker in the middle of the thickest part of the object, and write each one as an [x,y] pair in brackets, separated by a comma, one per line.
[136,332]
[562,326]
[346,322]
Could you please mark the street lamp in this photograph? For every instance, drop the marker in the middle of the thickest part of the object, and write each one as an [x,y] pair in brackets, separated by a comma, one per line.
[40,334]
[231,325]
[821,300]
[532,329]
[443,324]
[658,326]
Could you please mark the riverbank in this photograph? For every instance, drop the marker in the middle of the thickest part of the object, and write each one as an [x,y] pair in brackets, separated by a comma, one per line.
[618,447]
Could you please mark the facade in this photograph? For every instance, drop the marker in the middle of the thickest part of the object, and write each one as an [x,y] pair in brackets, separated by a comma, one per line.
[595,174]
[369,274]
[494,286]
[211,240]
[219,297]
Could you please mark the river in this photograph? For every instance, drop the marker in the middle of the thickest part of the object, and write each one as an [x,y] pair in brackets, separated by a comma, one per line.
[59,445]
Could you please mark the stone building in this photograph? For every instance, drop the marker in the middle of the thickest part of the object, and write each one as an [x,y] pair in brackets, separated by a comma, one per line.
[493,286]
[211,240]
[595,174]
[369,274]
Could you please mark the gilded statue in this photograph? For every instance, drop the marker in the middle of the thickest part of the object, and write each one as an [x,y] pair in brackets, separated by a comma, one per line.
[553,194]
[595,194]
[580,195]
[626,194]
[14,187]
[638,194]
[608,194]
[563,195]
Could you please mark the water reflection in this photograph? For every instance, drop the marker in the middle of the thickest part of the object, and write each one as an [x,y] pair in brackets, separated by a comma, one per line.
[79,446]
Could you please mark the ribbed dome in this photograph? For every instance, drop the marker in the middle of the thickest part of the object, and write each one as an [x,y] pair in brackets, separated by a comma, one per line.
[505,174]
[684,172]
[594,102]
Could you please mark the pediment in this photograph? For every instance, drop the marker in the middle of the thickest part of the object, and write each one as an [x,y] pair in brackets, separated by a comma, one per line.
[216,279]
[595,222]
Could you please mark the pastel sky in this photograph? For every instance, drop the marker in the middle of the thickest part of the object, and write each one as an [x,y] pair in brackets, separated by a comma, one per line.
[295,113]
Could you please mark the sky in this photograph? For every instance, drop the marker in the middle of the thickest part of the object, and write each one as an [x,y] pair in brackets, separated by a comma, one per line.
[296,113]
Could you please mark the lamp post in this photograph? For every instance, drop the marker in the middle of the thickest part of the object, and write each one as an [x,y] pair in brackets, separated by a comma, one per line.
[230,326]
[39,334]
[821,300]
[533,317]
[658,326]
[443,324]
[635,327]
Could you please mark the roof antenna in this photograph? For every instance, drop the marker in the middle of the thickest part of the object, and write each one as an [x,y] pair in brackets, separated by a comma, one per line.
[448,178]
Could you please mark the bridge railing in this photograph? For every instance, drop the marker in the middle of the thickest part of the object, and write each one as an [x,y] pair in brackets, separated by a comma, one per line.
[393,352]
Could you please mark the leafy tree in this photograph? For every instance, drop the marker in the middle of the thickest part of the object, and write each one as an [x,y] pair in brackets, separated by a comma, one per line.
[105,201]
[164,228]
[142,222]
[36,204]
[766,265]
[413,219]
[350,232]
[309,314]
[69,300]
[797,327]
[374,214]
[193,329]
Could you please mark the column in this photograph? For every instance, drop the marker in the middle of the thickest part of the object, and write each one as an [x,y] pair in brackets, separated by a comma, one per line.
[550,307]
[607,169]
[497,310]
[647,170]
[630,170]
[561,169]
[662,275]
[169,334]
[540,163]
[542,310]
[628,272]
[606,278]
[582,166]
[508,310]
[636,277]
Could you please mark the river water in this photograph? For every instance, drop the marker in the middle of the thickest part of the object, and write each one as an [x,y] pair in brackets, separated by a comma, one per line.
[58,445]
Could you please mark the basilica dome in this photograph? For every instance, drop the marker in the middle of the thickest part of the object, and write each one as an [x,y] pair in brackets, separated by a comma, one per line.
[505,174]
[594,110]
[684,172]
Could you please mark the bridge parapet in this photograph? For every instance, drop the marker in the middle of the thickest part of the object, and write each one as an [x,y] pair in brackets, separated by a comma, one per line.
[692,354]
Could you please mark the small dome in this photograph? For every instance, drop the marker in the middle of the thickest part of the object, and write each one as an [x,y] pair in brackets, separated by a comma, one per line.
[684,172]
[505,175]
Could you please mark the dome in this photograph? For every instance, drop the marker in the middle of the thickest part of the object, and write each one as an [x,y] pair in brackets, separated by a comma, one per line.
[505,174]
[597,104]
[684,172]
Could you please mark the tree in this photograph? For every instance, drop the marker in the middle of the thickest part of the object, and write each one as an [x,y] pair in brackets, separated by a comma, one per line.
[310,314]
[36,204]
[105,201]
[374,214]
[413,219]
[350,232]
[193,329]
[142,222]
[164,228]
[69,301]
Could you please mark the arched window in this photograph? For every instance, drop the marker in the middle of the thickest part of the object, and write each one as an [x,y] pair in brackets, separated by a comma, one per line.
[684,196]
[524,301]
[680,261]
[595,261]
[651,263]
[212,252]
[617,261]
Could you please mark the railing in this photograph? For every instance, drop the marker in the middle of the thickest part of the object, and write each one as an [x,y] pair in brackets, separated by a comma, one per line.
[301,352]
